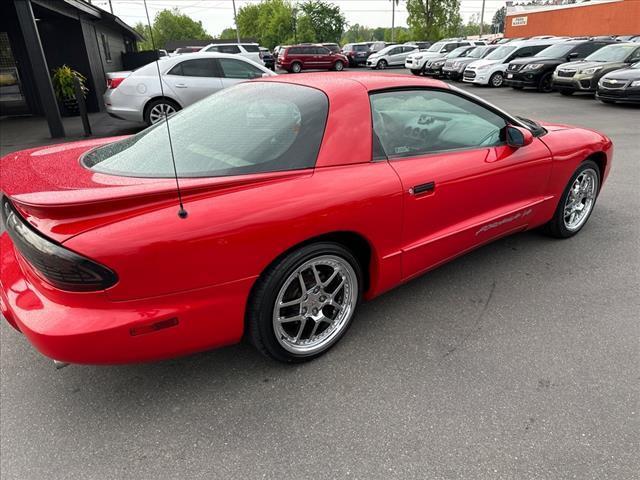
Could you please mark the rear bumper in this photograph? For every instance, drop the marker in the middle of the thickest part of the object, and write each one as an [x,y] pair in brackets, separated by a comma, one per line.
[88,328]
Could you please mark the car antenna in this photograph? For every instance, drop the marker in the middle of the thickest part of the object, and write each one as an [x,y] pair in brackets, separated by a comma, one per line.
[182,213]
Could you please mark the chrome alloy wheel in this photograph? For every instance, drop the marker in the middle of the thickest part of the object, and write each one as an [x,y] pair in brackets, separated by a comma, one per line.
[315,304]
[580,200]
[159,111]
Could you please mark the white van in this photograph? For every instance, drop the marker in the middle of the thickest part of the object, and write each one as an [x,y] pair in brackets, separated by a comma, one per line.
[490,70]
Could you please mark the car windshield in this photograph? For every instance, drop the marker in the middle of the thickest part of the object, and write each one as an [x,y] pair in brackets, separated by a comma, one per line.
[611,53]
[458,52]
[249,128]
[436,47]
[477,52]
[501,52]
[635,66]
[555,51]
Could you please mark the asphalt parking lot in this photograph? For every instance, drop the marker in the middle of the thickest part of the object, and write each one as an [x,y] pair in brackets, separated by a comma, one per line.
[519,360]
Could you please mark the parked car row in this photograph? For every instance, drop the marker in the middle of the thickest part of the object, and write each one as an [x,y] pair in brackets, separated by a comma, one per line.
[605,66]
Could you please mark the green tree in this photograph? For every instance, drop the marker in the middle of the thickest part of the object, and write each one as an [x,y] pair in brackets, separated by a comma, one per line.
[498,20]
[324,18]
[228,33]
[143,29]
[305,31]
[359,33]
[170,25]
[473,26]
[271,22]
[434,19]
[248,20]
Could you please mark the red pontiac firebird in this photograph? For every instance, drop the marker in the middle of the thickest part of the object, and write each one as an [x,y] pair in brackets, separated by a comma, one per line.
[303,196]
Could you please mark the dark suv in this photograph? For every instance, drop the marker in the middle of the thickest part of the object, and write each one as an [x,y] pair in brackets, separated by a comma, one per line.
[301,57]
[357,53]
[537,71]
[584,75]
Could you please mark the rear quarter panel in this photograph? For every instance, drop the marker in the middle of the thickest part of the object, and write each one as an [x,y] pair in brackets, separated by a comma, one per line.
[236,234]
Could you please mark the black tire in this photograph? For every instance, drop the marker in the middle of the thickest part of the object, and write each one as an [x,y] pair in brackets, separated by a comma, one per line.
[296,67]
[496,80]
[338,66]
[416,72]
[259,322]
[545,85]
[556,226]
[155,103]
[382,64]
[566,93]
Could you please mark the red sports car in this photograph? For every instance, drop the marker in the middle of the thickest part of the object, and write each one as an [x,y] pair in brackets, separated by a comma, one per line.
[303,196]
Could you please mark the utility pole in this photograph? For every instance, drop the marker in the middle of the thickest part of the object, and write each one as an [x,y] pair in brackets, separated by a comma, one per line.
[482,19]
[393,20]
[235,19]
[111,7]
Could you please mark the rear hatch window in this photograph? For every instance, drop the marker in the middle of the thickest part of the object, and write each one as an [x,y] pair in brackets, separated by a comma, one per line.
[253,127]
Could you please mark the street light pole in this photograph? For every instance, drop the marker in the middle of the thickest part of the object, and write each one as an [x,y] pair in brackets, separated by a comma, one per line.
[393,20]
[482,19]
[235,19]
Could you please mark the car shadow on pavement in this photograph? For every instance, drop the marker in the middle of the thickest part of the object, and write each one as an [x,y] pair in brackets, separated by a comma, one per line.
[460,292]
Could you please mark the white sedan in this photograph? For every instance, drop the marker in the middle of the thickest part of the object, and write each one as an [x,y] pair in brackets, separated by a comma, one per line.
[137,96]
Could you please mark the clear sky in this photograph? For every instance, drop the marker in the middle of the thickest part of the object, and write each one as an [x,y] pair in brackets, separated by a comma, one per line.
[216,15]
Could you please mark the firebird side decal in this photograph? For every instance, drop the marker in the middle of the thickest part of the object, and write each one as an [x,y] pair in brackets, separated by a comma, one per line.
[509,219]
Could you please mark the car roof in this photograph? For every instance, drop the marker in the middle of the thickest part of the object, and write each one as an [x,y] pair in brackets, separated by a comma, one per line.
[330,83]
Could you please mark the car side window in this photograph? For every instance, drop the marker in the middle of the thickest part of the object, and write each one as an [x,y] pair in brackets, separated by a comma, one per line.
[586,49]
[322,51]
[410,123]
[228,49]
[634,57]
[201,67]
[212,49]
[232,68]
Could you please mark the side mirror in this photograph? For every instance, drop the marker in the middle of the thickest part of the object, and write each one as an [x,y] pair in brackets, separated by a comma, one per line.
[518,136]
[572,56]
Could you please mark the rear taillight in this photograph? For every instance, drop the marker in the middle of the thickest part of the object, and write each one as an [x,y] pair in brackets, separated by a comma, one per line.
[57,265]
[114,82]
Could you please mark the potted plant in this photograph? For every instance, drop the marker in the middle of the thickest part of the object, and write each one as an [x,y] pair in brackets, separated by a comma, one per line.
[63,85]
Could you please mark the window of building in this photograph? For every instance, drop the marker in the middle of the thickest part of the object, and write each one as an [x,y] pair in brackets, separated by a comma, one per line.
[105,47]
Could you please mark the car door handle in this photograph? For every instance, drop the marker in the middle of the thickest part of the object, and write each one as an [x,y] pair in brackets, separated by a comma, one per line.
[181,85]
[422,188]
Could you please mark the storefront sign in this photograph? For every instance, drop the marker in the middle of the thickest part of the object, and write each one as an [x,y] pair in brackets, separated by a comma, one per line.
[518,21]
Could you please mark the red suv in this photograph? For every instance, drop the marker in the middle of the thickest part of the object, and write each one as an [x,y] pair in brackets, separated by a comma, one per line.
[298,57]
